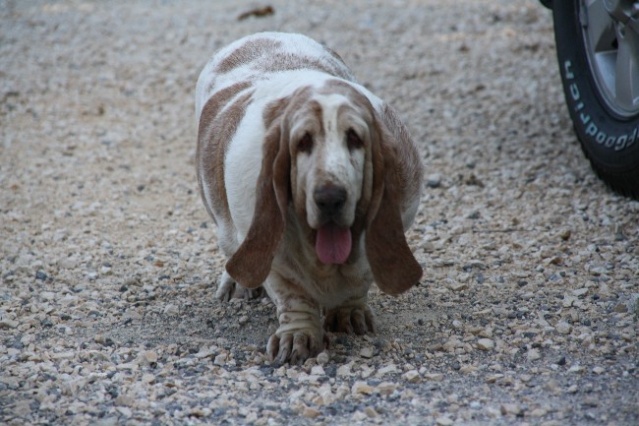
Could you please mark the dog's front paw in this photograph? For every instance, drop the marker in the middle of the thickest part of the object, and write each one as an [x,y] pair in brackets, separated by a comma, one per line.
[298,338]
[228,289]
[356,319]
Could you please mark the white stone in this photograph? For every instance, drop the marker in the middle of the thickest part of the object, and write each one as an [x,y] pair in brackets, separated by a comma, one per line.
[361,388]
[412,376]
[366,352]
[444,421]
[533,354]
[485,344]
[563,327]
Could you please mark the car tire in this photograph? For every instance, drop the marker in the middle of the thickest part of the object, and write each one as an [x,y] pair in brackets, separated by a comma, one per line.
[605,117]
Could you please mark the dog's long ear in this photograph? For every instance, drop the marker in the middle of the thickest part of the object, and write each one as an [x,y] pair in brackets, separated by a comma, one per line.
[394,267]
[251,263]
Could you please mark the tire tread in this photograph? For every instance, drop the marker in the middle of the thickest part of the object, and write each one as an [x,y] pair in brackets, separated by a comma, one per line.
[625,184]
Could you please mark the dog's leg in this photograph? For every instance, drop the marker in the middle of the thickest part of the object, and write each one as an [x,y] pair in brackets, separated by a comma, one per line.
[300,335]
[225,288]
[228,288]
[354,316]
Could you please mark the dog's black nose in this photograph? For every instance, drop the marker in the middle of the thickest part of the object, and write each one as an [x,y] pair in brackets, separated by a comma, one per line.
[330,199]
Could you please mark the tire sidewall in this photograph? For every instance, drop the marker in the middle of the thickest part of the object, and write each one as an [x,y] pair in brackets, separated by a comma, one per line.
[611,142]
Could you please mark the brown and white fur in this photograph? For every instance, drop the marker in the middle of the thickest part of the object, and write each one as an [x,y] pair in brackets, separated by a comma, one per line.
[312,181]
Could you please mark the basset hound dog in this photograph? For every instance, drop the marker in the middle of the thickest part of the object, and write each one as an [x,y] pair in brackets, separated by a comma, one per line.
[312,181]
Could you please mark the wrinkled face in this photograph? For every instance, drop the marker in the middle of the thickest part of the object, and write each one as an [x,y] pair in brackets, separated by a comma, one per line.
[329,136]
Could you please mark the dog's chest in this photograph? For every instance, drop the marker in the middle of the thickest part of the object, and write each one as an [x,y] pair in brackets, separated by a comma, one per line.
[329,285]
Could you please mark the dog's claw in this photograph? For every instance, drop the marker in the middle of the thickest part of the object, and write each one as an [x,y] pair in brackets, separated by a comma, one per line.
[228,289]
[294,347]
[356,319]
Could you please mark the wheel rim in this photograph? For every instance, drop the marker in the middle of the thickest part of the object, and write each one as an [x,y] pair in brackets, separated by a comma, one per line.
[611,34]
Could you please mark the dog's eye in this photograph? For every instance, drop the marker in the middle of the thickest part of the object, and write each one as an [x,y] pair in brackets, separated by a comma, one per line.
[353,140]
[305,144]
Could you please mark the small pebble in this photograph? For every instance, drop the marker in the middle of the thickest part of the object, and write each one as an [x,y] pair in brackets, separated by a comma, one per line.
[367,352]
[485,344]
[220,359]
[322,358]
[538,412]
[563,327]
[533,355]
[151,357]
[580,291]
[444,421]
[576,368]
[311,413]
[511,409]
[433,377]
[412,376]
[434,180]
[7,323]
[317,370]
[386,388]
[370,412]
[621,308]
[361,388]
[457,286]
[171,309]
[344,370]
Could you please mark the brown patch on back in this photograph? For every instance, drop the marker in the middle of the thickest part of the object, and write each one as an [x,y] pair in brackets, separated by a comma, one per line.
[248,52]
[268,56]
[289,62]
[218,123]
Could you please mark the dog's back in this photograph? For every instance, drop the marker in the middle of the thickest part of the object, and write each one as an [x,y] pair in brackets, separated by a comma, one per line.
[260,56]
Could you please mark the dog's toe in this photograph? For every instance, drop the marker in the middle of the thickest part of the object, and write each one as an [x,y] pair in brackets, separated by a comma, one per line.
[357,319]
[294,347]
[228,289]
[249,293]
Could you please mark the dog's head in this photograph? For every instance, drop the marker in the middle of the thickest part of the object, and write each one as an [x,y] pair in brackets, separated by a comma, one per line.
[332,157]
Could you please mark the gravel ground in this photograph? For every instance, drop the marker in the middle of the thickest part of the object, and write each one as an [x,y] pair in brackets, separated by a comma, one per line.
[527,311]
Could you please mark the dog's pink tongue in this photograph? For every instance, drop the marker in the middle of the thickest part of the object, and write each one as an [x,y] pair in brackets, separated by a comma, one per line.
[333,244]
